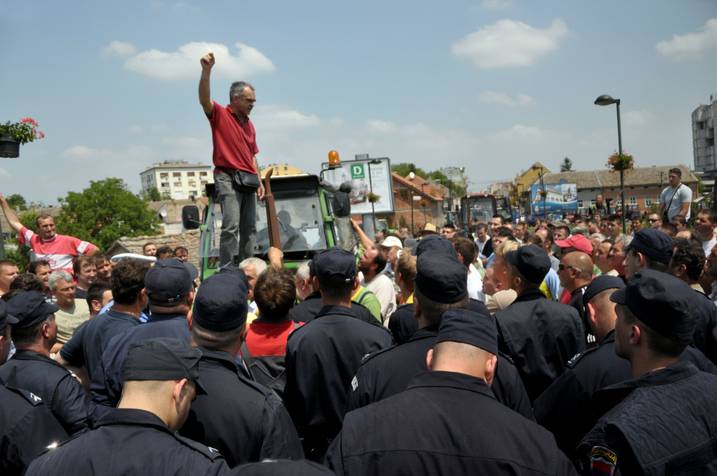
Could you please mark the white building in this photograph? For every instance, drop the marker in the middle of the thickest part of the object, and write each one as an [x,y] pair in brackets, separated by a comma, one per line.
[178,180]
[704,128]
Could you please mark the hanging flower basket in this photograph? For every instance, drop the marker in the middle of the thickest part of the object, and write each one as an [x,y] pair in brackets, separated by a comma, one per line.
[373,198]
[619,162]
[14,134]
[9,147]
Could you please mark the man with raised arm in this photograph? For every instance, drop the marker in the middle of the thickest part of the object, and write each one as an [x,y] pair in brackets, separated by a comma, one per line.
[58,250]
[236,171]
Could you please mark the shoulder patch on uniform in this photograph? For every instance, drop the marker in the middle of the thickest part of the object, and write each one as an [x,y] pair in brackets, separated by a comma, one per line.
[603,461]
[33,399]
[354,383]
[372,355]
[208,451]
[577,357]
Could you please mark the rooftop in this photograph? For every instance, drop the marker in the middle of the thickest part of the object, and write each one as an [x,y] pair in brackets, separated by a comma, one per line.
[176,164]
[605,178]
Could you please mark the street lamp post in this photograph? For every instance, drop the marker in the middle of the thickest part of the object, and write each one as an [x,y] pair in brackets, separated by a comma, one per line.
[370,188]
[606,100]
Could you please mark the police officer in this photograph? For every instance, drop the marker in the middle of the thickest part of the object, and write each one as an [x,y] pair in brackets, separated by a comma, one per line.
[310,307]
[428,430]
[441,285]
[538,334]
[169,286]
[654,325]
[564,408]
[242,419]
[281,468]
[323,355]
[32,369]
[161,378]
[26,425]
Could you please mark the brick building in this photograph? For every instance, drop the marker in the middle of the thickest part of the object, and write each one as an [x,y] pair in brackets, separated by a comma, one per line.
[416,201]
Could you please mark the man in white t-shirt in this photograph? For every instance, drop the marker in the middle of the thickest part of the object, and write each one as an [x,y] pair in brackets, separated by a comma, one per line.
[705,225]
[466,251]
[676,198]
[373,267]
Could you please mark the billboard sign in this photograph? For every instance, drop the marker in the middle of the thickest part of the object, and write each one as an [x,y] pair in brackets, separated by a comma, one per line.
[357,172]
[560,198]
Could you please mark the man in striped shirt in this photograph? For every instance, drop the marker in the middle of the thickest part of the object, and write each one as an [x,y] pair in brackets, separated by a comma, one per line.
[58,250]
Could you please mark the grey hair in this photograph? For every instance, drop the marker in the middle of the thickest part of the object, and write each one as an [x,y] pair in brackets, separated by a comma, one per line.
[56,276]
[259,265]
[303,272]
[237,87]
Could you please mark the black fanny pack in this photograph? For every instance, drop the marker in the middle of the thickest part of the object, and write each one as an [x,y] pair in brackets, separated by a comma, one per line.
[245,181]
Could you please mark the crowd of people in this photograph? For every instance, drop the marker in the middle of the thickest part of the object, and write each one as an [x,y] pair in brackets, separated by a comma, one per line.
[506,348]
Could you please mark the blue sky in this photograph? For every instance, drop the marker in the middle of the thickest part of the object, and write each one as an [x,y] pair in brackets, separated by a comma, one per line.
[492,85]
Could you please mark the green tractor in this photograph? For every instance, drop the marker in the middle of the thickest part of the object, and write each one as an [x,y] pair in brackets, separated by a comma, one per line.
[304,221]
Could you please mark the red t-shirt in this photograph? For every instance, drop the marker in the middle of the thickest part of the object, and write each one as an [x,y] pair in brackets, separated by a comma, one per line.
[234,142]
[58,250]
[268,339]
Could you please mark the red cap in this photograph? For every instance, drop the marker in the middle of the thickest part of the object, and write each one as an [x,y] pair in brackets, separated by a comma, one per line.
[577,241]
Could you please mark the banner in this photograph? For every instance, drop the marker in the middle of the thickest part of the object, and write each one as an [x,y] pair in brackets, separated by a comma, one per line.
[357,173]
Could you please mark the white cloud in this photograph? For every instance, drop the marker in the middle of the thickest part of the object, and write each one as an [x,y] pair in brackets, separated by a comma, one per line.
[83,152]
[496,4]
[184,62]
[520,132]
[690,45]
[377,125]
[278,118]
[119,48]
[505,99]
[638,118]
[509,43]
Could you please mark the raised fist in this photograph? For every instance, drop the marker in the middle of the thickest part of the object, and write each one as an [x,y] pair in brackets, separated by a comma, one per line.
[207,61]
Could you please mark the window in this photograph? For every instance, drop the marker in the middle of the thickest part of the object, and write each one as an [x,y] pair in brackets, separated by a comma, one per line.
[177,184]
[176,174]
[163,175]
[190,174]
[192,183]
[164,185]
[580,204]
[592,202]
[202,174]
[648,202]
[633,201]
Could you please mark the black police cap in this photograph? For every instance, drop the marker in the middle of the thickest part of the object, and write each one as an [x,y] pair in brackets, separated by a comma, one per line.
[600,284]
[532,262]
[653,243]
[163,359]
[168,281]
[221,302]
[280,468]
[662,302]
[334,264]
[441,277]
[435,244]
[29,308]
[5,319]
[468,327]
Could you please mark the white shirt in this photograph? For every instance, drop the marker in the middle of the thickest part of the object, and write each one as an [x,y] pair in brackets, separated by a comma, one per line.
[382,287]
[475,284]
[708,245]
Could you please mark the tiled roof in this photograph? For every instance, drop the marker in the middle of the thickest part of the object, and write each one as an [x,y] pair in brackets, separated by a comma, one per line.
[639,176]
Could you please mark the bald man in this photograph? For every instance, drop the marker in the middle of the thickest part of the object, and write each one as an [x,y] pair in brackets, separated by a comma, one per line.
[576,272]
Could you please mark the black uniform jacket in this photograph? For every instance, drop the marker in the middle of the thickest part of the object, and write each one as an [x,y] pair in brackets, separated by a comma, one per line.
[705,337]
[444,423]
[311,307]
[322,357]
[27,427]
[654,421]
[129,441]
[540,336]
[245,421]
[390,371]
[52,382]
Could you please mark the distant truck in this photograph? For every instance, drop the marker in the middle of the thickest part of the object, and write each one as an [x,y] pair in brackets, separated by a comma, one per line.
[481,207]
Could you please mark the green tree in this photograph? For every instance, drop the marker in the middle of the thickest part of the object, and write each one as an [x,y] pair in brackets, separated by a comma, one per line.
[151,195]
[17,202]
[404,168]
[105,212]
[566,165]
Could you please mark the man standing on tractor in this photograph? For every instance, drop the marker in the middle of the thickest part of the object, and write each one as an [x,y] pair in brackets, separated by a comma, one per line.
[237,177]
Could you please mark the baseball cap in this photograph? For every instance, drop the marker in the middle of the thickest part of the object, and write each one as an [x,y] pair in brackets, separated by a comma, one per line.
[163,359]
[221,302]
[469,327]
[168,281]
[441,277]
[435,244]
[654,244]
[334,263]
[578,241]
[600,284]
[661,301]
[29,308]
[391,241]
[5,319]
[532,262]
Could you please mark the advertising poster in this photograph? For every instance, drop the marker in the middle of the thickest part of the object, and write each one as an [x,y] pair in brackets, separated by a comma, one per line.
[357,173]
[559,199]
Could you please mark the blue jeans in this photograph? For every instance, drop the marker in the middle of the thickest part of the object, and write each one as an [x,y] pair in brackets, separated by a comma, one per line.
[236,241]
